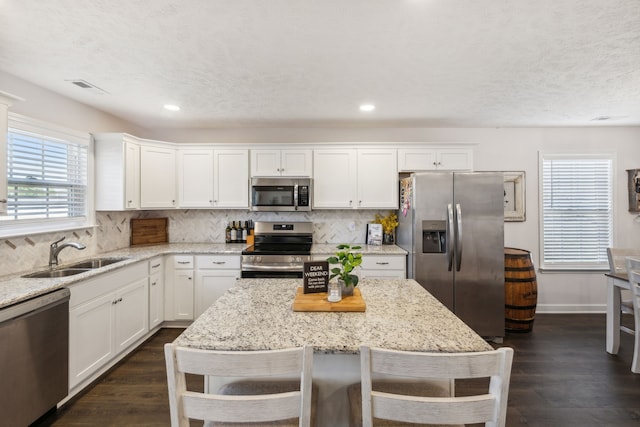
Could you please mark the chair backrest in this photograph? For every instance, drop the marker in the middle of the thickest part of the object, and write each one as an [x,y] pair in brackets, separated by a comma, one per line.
[618,258]
[184,404]
[489,408]
[633,270]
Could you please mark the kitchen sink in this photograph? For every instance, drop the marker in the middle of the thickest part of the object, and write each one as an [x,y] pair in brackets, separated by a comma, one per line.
[63,272]
[77,268]
[96,263]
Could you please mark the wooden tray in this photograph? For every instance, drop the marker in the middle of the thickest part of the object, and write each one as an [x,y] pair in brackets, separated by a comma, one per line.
[149,231]
[318,302]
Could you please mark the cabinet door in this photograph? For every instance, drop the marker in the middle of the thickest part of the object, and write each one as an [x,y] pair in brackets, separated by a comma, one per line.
[210,285]
[334,178]
[157,177]
[91,337]
[417,159]
[4,110]
[455,159]
[377,179]
[131,313]
[156,299]
[183,295]
[231,182]
[295,162]
[265,163]
[131,175]
[195,178]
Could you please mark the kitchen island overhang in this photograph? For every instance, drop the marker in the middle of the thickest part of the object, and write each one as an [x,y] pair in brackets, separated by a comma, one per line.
[257,314]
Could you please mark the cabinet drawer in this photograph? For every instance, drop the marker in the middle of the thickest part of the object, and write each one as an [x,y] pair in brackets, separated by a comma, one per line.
[182,262]
[218,262]
[380,262]
[155,265]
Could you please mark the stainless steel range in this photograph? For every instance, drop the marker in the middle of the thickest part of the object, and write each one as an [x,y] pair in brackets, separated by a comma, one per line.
[280,250]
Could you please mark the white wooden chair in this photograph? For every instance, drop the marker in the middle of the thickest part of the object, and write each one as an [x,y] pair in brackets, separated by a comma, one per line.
[262,402]
[379,407]
[633,270]
[617,265]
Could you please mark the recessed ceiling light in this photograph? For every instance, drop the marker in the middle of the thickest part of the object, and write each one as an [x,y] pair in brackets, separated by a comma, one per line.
[367,107]
[171,107]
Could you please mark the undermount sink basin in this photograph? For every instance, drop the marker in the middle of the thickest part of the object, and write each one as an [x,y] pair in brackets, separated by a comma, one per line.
[96,263]
[77,268]
[63,272]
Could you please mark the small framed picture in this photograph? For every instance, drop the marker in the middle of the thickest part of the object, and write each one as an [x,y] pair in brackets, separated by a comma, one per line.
[374,234]
[514,196]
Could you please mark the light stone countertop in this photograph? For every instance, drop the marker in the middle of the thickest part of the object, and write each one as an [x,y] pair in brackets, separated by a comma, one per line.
[14,288]
[257,314]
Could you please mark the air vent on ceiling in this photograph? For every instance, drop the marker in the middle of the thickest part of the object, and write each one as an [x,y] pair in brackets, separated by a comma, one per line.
[87,86]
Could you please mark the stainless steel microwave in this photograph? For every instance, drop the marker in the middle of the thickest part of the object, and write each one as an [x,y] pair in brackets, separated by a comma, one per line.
[281,194]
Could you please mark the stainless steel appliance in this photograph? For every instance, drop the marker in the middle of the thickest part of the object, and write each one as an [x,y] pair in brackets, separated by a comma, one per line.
[280,249]
[280,194]
[34,367]
[452,225]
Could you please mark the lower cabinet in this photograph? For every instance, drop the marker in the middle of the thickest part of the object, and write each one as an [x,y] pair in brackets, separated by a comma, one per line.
[107,315]
[214,275]
[156,292]
[179,288]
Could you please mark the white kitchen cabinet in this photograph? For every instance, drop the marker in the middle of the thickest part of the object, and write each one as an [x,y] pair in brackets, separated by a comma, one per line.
[355,179]
[179,288]
[434,159]
[377,178]
[383,266]
[156,292]
[117,172]
[231,179]
[107,315]
[5,102]
[215,274]
[157,177]
[195,178]
[273,162]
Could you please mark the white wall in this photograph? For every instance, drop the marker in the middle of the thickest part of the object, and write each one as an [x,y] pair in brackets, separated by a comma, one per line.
[496,149]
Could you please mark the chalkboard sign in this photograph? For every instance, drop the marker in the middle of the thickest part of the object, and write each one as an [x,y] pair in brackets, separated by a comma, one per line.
[316,276]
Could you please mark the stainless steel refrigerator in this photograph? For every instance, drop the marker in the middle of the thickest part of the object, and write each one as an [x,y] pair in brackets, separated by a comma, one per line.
[452,225]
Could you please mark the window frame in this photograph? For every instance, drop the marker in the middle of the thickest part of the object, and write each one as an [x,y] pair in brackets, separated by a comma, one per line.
[12,228]
[568,266]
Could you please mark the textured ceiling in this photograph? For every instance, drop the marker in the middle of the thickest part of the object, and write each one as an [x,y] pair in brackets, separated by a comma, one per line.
[453,63]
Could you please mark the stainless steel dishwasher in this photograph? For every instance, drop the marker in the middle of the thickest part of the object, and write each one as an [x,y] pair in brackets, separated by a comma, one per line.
[34,354]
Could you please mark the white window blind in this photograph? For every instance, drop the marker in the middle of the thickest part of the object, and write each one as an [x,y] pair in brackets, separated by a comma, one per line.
[577,217]
[48,178]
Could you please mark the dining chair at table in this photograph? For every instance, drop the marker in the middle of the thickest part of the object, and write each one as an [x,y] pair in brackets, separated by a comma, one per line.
[381,405]
[617,265]
[261,401]
[633,271]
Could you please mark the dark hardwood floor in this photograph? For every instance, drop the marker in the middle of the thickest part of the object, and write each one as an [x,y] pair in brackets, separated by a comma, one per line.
[561,376]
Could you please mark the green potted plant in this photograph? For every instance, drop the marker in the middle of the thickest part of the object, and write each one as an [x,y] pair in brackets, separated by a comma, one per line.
[347,261]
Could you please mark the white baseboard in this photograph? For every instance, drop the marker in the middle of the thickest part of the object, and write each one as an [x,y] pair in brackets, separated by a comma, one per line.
[571,308]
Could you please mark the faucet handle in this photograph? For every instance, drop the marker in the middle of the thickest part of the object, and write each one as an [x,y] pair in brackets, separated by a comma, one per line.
[54,244]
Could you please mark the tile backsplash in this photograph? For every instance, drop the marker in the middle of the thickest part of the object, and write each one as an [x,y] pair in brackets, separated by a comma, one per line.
[31,252]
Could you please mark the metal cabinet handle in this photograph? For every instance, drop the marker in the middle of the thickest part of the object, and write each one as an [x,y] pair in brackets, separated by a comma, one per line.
[155,266]
[153,284]
[219,262]
[382,263]
[184,262]
[3,200]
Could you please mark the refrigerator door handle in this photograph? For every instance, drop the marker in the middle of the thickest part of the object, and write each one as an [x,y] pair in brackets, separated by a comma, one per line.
[450,238]
[458,236]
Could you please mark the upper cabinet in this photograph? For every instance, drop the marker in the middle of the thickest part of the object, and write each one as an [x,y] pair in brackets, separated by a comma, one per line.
[117,171]
[355,178]
[195,178]
[157,177]
[231,179]
[434,159]
[291,162]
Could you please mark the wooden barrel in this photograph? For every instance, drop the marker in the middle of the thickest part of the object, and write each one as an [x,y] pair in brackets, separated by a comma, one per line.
[520,290]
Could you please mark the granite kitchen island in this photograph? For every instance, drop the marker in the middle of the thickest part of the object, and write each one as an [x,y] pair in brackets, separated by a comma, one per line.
[257,314]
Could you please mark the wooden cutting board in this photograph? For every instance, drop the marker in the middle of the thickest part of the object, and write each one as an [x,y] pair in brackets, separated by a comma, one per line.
[318,302]
[149,231]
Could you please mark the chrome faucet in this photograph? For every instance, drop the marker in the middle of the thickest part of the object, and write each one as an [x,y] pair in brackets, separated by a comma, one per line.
[54,250]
